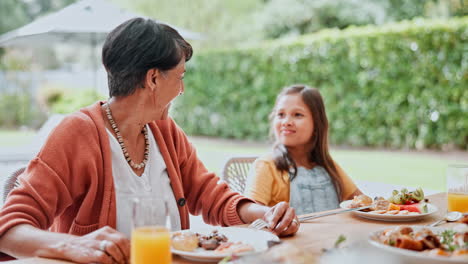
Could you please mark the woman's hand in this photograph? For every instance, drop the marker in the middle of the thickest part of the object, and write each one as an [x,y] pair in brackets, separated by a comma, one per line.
[105,245]
[282,219]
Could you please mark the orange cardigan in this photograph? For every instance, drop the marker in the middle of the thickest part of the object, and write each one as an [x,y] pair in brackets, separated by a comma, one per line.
[68,187]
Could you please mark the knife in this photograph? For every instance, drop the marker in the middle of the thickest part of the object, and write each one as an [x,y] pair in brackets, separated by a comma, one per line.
[305,218]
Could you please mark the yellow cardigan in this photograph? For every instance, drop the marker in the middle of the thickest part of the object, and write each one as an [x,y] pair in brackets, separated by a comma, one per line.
[269,186]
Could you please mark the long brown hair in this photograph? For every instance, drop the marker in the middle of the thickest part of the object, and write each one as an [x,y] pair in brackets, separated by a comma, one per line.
[319,151]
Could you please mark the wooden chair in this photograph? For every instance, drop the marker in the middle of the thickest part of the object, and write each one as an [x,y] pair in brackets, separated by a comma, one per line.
[12,181]
[235,172]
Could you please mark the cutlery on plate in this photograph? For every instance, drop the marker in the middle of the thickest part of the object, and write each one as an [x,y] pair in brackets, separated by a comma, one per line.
[450,217]
[260,223]
[306,218]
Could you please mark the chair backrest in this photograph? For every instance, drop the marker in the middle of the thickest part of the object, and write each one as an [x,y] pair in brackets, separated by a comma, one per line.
[235,172]
[11,181]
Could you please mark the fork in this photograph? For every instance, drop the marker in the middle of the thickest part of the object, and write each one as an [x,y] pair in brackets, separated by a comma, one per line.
[258,224]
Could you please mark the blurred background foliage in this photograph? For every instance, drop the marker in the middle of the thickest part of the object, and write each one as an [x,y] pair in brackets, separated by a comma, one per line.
[60,99]
[16,13]
[228,23]
[401,85]
[385,84]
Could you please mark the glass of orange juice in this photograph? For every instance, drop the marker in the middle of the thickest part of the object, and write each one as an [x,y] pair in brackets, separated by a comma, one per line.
[151,238]
[457,188]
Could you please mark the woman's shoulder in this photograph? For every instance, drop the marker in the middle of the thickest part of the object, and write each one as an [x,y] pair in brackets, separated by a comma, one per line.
[88,116]
[76,133]
[82,122]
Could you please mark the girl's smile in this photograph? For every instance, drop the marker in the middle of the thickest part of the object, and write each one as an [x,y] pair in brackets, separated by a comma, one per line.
[293,123]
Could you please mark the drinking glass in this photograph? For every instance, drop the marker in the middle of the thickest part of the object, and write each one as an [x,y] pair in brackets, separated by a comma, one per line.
[151,238]
[457,188]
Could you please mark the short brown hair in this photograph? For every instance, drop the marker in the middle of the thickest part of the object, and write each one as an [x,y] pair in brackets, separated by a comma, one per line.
[136,46]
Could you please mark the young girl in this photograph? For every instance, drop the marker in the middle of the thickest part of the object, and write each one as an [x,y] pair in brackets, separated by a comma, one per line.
[300,170]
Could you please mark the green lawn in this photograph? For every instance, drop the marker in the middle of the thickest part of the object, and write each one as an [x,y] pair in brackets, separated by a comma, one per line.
[407,169]
[11,138]
[410,169]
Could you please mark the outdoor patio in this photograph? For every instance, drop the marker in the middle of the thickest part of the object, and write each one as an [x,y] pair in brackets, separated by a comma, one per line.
[362,93]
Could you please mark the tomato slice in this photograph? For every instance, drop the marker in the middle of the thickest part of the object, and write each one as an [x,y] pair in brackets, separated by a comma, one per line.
[415,207]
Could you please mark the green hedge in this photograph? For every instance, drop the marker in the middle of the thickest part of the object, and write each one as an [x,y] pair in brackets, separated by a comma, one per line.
[403,85]
[68,101]
[19,109]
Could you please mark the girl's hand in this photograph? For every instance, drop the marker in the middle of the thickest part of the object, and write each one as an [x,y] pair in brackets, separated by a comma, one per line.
[105,245]
[282,219]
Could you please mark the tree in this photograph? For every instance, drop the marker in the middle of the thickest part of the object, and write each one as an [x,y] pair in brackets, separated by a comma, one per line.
[36,8]
[222,22]
[15,13]
[12,15]
[280,18]
[296,17]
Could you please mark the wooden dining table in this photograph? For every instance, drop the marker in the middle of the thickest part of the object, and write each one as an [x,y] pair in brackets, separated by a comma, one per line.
[318,234]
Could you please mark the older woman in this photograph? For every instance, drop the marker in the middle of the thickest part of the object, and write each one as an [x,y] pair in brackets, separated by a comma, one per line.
[74,195]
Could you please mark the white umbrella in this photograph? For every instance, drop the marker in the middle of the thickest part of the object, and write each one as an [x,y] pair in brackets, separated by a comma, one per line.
[84,22]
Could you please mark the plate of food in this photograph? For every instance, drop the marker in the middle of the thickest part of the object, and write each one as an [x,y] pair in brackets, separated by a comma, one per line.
[214,244]
[278,253]
[402,205]
[423,244]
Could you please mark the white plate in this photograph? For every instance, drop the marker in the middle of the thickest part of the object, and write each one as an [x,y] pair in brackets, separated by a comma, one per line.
[256,238]
[409,256]
[431,209]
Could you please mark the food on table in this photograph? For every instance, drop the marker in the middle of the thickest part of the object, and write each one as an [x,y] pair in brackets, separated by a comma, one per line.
[280,253]
[211,241]
[451,243]
[416,207]
[233,247]
[215,242]
[186,241]
[406,197]
[360,201]
[400,203]
[464,219]
[381,204]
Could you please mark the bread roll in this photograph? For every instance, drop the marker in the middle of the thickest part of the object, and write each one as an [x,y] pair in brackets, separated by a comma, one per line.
[186,241]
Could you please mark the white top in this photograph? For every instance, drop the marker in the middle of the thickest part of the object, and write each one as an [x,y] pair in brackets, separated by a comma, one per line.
[154,181]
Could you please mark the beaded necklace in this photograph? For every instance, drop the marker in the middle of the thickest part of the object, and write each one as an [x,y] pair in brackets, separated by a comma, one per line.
[121,142]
